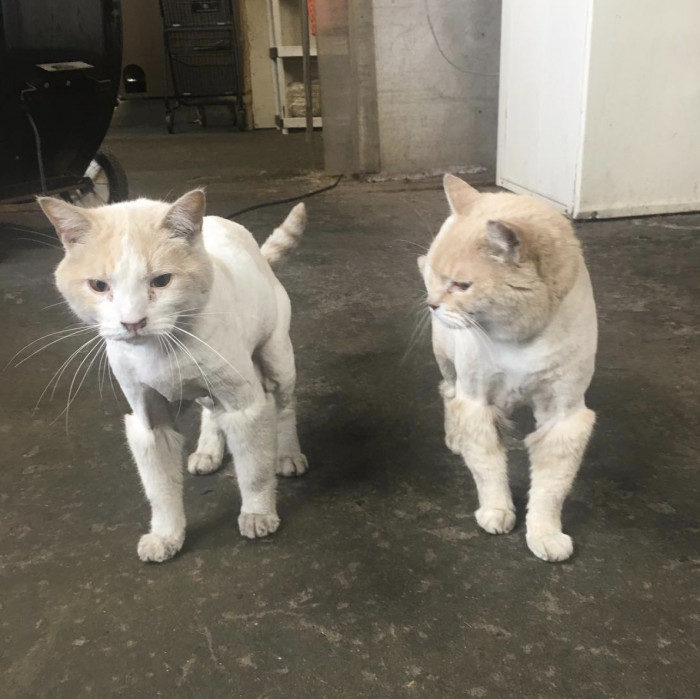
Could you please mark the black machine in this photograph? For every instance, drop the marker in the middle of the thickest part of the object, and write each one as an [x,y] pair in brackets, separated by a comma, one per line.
[201,48]
[60,63]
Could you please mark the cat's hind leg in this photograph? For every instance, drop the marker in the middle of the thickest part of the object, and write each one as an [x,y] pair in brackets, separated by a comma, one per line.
[276,358]
[251,439]
[210,447]
[472,429]
[556,449]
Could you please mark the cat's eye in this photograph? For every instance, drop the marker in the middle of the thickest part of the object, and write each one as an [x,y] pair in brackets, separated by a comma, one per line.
[160,281]
[460,286]
[98,285]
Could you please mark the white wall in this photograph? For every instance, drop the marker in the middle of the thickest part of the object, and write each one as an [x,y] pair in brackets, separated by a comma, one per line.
[600,104]
[437,87]
[401,97]
[641,147]
[542,96]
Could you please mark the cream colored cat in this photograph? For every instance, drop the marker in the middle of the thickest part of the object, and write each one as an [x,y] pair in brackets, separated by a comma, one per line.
[190,310]
[514,322]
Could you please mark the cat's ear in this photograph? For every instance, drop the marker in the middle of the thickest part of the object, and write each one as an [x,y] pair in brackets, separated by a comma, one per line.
[421,263]
[505,241]
[71,222]
[460,195]
[184,219]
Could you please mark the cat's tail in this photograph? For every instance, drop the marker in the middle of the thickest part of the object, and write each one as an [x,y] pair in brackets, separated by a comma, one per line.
[285,238]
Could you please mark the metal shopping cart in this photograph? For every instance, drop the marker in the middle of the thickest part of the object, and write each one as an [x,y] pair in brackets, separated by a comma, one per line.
[60,62]
[202,53]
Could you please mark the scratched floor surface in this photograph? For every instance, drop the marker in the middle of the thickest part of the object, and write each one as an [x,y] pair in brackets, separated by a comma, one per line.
[378,583]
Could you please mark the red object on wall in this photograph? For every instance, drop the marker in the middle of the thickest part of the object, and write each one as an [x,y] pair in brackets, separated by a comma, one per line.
[312,16]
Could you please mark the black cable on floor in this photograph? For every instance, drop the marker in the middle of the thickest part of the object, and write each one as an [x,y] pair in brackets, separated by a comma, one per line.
[288,200]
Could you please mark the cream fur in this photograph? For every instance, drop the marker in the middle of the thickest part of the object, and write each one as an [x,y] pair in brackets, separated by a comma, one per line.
[514,322]
[217,331]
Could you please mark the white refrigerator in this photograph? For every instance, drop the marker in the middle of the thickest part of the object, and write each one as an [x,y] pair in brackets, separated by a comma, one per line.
[599,105]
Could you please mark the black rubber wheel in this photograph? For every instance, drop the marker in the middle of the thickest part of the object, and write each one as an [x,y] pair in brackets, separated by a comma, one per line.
[170,122]
[109,184]
[116,177]
[201,116]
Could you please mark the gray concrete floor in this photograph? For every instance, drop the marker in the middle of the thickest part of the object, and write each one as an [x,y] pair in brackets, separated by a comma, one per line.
[378,583]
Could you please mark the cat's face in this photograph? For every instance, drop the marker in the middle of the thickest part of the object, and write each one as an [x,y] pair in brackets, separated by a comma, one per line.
[131,269]
[481,271]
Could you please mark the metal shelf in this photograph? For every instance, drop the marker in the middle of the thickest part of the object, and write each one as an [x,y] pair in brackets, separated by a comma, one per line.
[281,52]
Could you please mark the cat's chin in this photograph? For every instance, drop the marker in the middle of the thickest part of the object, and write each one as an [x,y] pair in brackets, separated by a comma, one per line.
[129,339]
[451,324]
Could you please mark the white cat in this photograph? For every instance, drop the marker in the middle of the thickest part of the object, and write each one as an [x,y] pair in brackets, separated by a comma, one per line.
[514,322]
[189,309]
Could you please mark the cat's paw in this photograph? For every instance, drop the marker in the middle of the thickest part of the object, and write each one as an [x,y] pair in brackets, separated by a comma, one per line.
[255,526]
[154,548]
[453,443]
[447,390]
[200,464]
[495,520]
[292,465]
[551,547]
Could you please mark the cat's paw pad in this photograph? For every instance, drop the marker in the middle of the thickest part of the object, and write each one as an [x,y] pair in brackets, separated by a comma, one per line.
[495,520]
[551,547]
[255,526]
[154,548]
[292,465]
[200,464]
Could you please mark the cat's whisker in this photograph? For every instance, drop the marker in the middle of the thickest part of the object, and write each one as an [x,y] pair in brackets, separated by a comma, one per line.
[94,353]
[419,214]
[111,383]
[411,242]
[41,242]
[55,379]
[65,333]
[41,234]
[480,335]
[416,336]
[170,350]
[101,369]
[184,348]
[52,305]
[206,344]
[61,370]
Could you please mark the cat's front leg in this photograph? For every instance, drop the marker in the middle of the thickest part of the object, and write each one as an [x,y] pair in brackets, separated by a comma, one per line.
[556,449]
[159,455]
[472,425]
[251,437]
[452,436]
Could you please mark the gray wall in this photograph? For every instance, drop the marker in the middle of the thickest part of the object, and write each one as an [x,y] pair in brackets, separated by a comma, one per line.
[409,85]
[346,63]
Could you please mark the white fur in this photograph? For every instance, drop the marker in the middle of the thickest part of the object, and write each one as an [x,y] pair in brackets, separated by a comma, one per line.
[247,312]
[514,322]
[487,378]
[217,333]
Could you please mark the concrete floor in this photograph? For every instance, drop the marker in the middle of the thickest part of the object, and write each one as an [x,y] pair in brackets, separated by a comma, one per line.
[379,583]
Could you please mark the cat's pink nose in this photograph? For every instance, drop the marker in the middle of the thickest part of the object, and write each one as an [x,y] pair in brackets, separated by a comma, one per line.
[133,327]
